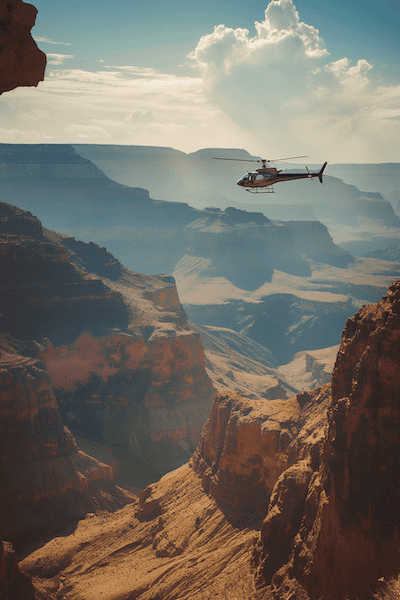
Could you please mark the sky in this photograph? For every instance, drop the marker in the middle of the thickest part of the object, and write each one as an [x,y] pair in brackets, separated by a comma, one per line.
[310,77]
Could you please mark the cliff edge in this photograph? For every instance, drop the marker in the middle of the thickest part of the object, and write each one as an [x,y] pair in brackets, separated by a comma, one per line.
[21,61]
[346,536]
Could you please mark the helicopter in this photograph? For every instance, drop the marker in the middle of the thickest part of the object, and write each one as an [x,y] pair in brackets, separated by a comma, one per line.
[256,181]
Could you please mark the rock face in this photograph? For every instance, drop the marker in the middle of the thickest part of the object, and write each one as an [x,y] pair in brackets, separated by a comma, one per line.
[126,367]
[344,538]
[179,540]
[21,61]
[13,583]
[245,248]
[247,444]
[148,396]
[45,479]
[302,493]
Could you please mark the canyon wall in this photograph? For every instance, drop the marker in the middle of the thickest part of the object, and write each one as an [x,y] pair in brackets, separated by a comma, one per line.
[21,61]
[125,365]
[45,479]
[14,585]
[345,536]
[283,499]
[247,444]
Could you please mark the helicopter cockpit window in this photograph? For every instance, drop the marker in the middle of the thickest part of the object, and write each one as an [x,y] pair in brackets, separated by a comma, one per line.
[259,177]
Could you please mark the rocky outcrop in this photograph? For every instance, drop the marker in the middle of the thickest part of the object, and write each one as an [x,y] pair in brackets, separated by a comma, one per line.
[21,61]
[344,538]
[148,397]
[247,444]
[44,295]
[45,479]
[191,534]
[320,472]
[126,367]
[13,583]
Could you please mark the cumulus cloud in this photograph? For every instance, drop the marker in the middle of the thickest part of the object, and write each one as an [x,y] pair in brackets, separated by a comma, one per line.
[280,85]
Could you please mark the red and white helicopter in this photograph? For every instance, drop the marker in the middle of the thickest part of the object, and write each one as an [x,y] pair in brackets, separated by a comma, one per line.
[260,180]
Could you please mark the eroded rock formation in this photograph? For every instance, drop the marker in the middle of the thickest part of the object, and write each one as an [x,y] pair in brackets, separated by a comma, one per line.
[45,479]
[318,474]
[13,583]
[247,444]
[21,61]
[126,367]
[345,536]
[189,536]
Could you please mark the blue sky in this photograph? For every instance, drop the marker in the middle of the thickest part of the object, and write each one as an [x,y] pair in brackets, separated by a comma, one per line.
[282,78]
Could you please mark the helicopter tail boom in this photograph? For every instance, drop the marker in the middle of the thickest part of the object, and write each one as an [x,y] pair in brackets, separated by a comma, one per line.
[321,172]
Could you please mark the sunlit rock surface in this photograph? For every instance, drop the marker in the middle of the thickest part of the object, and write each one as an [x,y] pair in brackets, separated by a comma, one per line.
[126,367]
[283,499]
[21,61]
[191,534]
[247,444]
[345,536]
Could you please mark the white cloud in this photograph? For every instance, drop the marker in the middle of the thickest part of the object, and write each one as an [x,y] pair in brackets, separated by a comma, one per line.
[279,85]
[124,105]
[86,131]
[15,136]
[58,59]
[46,40]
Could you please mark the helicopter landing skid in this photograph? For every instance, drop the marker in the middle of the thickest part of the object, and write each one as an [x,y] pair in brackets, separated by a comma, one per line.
[259,190]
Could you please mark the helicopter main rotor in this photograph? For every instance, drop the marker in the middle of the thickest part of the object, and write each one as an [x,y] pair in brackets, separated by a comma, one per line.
[263,161]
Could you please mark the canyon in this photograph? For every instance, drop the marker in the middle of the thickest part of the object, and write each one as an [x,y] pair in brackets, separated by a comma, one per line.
[117,345]
[282,499]
[280,495]
[357,202]
[284,284]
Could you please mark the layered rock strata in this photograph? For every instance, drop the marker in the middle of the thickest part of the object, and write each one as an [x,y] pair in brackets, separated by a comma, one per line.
[45,479]
[143,390]
[245,248]
[21,61]
[189,536]
[247,444]
[126,367]
[319,472]
[343,534]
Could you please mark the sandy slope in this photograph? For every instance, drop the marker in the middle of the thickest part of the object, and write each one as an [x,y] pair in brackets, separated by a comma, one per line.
[187,548]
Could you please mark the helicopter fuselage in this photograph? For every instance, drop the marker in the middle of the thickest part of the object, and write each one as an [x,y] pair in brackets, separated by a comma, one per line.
[267,176]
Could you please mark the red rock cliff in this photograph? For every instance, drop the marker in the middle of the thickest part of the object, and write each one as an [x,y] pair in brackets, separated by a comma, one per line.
[126,367]
[247,444]
[345,536]
[45,479]
[144,389]
[21,61]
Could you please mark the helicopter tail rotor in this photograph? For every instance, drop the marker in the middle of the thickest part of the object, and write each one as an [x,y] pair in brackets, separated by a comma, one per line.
[321,172]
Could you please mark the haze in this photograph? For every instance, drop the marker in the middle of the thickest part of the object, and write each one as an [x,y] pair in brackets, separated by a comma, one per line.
[280,79]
